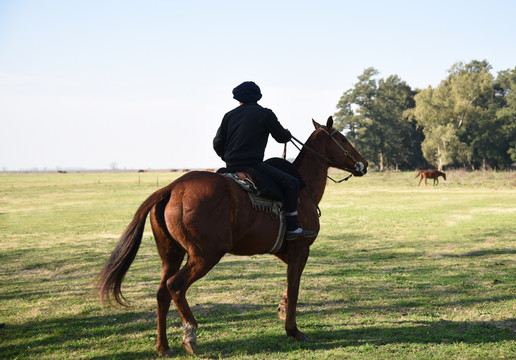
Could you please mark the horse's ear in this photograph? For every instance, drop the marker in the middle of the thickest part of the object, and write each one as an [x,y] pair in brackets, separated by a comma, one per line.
[329,123]
[316,124]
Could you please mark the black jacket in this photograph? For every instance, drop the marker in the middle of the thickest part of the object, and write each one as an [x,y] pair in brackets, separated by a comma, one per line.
[242,136]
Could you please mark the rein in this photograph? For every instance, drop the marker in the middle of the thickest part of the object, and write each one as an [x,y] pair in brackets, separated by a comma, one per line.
[358,165]
[320,155]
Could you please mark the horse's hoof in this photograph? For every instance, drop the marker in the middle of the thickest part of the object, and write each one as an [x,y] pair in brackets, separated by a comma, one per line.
[282,312]
[300,337]
[166,353]
[297,336]
[189,347]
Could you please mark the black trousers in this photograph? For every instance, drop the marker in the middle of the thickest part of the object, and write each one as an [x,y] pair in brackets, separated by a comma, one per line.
[288,184]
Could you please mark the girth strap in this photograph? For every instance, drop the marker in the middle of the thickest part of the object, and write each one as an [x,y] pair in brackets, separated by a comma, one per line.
[275,209]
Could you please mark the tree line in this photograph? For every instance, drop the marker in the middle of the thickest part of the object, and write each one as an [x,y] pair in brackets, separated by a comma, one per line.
[468,120]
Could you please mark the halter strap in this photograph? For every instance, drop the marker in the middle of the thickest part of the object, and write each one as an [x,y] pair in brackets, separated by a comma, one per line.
[329,161]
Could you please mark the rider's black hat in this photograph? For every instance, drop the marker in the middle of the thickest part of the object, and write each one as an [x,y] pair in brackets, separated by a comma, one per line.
[247,92]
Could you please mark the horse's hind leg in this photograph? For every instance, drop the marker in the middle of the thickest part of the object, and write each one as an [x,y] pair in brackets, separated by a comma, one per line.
[196,267]
[172,256]
[168,269]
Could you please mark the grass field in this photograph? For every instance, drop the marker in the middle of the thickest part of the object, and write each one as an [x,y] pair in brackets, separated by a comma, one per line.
[397,272]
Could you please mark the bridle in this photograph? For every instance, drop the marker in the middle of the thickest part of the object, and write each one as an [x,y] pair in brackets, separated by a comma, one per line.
[359,166]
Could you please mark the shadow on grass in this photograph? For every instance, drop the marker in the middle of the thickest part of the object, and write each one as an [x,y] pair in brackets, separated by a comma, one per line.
[69,335]
[91,335]
[258,330]
[483,253]
[407,332]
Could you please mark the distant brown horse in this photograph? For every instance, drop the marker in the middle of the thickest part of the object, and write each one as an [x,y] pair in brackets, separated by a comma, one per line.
[207,215]
[430,174]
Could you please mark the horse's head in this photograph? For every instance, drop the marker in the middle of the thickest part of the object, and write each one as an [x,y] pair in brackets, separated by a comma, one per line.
[336,149]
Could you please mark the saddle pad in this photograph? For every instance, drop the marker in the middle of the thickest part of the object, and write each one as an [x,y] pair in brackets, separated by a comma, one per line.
[260,203]
[274,208]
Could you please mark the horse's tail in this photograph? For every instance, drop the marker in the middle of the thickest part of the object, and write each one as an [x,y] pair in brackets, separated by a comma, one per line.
[112,274]
[419,173]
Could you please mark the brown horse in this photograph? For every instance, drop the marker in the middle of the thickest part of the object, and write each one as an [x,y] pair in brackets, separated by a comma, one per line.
[430,174]
[206,215]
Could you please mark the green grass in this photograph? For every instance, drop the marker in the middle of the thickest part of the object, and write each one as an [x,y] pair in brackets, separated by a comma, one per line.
[398,271]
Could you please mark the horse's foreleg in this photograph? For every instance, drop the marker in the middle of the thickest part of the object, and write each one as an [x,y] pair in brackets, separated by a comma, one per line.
[297,257]
[282,307]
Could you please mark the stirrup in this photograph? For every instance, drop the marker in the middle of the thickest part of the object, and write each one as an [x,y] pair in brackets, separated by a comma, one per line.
[300,234]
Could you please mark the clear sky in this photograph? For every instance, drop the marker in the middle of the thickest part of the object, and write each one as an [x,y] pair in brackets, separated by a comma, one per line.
[145,84]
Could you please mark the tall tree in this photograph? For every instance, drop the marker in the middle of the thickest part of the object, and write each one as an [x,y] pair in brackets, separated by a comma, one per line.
[473,90]
[373,114]
[457,117]
[393,98]
[505,87]
[433,112]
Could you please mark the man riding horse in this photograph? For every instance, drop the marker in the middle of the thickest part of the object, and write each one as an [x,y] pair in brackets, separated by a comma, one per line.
[201,216]
[241,140]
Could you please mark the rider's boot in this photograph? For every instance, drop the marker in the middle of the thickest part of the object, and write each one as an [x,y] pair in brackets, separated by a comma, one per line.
[293,229]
